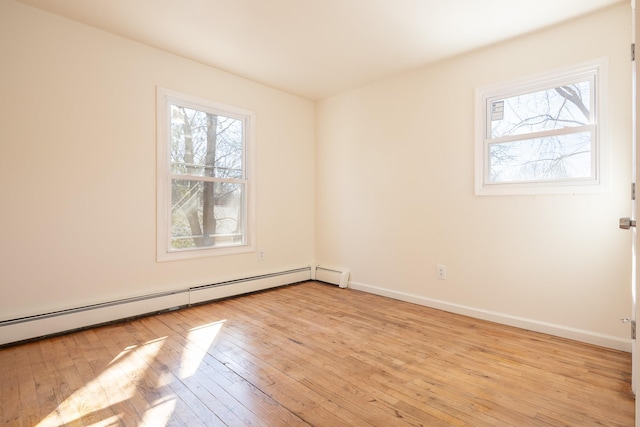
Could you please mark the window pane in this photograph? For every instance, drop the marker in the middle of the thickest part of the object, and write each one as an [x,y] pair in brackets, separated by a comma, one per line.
[205,144]
[206,214]
[544,110]
[549,158]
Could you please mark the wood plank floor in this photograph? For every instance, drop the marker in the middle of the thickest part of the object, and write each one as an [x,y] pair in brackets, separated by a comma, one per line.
[312,354]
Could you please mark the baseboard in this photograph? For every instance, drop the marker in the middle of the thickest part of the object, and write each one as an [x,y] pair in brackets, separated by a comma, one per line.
[53,323]
[505,319]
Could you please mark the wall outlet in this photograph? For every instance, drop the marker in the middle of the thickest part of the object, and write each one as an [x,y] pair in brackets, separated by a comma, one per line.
[442,272]
[261,254]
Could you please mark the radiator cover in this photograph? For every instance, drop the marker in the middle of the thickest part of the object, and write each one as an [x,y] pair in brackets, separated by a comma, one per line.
[28,328]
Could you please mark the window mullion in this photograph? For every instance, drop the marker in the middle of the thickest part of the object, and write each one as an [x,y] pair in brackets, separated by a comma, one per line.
[207,179]
[542,134]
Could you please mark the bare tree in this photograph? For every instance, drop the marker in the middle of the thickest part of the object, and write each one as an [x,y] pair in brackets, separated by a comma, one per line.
[550,155]
[207,149]
[209,202]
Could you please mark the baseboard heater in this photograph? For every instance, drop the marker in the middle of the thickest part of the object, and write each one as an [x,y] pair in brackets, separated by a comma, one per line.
[46,324]
[333,276]
[200,294]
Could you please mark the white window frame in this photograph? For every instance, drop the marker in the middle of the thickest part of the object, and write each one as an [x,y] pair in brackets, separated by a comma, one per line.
[165,97]
[483,97]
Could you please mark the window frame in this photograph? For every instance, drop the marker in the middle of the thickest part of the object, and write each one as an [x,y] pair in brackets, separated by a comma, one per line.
[596,69]
[164,99]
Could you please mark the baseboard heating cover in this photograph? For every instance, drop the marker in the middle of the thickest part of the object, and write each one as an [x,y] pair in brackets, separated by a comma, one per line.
[205,293]
[333,276]
[56,322]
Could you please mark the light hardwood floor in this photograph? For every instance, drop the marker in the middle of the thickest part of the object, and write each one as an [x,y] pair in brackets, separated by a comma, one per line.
[312,354]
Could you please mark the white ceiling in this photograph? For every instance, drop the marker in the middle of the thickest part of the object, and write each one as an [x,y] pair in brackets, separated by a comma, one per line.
[317,48]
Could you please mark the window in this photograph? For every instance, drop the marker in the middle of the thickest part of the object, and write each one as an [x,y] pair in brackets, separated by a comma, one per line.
[204,177]
[542,134]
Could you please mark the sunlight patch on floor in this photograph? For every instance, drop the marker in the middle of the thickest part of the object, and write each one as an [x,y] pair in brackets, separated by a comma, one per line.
[115,384]
[199,340]
[160,413]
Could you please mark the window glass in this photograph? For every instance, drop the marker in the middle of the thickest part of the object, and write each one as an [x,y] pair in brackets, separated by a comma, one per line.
[547,158]
[549,109]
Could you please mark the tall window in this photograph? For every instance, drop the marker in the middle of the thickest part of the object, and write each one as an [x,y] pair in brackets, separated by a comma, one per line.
[541,135]
[204,177]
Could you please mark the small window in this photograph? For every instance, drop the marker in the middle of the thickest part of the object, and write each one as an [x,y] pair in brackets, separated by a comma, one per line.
[542,134]
[204,177]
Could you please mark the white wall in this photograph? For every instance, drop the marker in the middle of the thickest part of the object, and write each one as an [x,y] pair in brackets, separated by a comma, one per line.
[395,194]
[77,167]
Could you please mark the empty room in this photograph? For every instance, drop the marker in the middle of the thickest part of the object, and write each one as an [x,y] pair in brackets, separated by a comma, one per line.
[317,212]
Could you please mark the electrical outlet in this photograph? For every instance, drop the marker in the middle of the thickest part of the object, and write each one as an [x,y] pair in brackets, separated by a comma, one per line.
[442,272]
[261,254]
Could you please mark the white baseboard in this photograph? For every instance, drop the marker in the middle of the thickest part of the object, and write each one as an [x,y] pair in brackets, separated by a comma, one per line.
[45,324]
[602,340]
